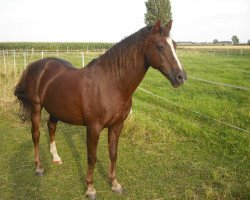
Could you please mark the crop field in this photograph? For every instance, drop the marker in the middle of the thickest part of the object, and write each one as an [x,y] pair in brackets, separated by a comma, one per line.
[63,46]
[186,143]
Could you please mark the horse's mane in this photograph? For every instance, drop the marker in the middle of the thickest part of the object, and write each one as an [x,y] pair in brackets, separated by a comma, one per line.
[124,53]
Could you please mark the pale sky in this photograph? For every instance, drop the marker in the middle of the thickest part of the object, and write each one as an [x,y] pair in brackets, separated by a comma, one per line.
[112,20]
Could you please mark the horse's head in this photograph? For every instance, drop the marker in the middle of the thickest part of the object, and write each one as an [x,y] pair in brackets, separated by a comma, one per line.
[161,54]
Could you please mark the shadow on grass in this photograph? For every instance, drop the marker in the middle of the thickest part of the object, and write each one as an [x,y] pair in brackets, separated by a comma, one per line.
[68,135]
[78,154]
[102,171]
[25,185]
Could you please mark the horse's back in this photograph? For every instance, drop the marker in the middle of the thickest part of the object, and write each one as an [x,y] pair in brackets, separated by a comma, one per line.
[37,67]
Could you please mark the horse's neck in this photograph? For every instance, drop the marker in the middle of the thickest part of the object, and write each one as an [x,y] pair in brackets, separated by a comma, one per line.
[133,76]
[129,78]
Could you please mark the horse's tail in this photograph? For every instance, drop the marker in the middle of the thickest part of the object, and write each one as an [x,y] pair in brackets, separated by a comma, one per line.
[22,97]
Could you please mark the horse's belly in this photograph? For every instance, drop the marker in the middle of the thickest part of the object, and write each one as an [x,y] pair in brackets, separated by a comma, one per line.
[67,109]
[73,121]
[72,117]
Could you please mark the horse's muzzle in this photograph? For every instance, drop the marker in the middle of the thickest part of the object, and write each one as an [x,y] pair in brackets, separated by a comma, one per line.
[180,79]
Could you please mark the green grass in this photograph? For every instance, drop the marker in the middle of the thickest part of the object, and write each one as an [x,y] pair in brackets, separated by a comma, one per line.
[165,151]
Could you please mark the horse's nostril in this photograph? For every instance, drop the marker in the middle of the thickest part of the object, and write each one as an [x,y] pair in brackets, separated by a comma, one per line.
[180,78]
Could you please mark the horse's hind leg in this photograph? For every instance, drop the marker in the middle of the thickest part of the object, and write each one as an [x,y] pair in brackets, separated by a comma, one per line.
[35,120]
[52,129]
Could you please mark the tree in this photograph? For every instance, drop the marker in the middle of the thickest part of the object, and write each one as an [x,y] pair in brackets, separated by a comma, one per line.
[157,9]
[248,42]
[235,39]
[215,41]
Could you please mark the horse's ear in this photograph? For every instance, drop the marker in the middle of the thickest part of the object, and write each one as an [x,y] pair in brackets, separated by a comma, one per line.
[168,26]
[156,28]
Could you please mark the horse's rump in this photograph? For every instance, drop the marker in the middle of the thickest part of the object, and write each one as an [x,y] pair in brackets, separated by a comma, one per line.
[28,90]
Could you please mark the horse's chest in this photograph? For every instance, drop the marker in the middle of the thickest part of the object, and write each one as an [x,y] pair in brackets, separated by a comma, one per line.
[118,113]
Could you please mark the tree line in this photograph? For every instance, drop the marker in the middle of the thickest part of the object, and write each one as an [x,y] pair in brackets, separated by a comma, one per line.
[234,40]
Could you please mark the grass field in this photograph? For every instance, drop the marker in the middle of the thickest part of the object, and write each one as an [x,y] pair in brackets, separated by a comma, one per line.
[175,146]
[218,47]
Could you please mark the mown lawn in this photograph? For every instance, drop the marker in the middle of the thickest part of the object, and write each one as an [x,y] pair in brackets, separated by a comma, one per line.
[167,150]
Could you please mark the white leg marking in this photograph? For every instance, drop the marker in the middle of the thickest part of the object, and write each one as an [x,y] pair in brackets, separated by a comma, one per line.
[53,151]
[91,192]
[170,42]
[116,187]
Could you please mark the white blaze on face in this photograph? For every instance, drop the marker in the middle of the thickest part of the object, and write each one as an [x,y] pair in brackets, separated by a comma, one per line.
[170,42]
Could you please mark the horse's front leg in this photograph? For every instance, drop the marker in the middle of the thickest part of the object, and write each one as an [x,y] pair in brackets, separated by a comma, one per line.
[93,134]
[113,139]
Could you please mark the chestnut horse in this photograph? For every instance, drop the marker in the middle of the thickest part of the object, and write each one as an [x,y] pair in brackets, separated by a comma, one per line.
[97,96]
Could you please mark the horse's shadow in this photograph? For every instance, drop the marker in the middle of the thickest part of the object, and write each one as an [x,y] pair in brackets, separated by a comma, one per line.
[25,185]
[68,134]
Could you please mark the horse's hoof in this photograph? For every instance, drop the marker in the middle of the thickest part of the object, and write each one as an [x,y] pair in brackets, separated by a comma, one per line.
[91,196]
[91,193]
[57,161]
[117,189]
[39,172]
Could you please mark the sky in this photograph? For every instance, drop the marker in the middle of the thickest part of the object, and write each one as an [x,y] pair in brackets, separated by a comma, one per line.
[112,20]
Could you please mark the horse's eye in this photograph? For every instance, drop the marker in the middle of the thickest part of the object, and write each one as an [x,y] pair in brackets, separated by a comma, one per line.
[160,47]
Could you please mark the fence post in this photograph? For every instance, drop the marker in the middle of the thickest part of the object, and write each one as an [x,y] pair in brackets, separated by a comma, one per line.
[42,54]
[24,60]
[14,61]
[4,62]
[241,52]
[57,53]
[82,59]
